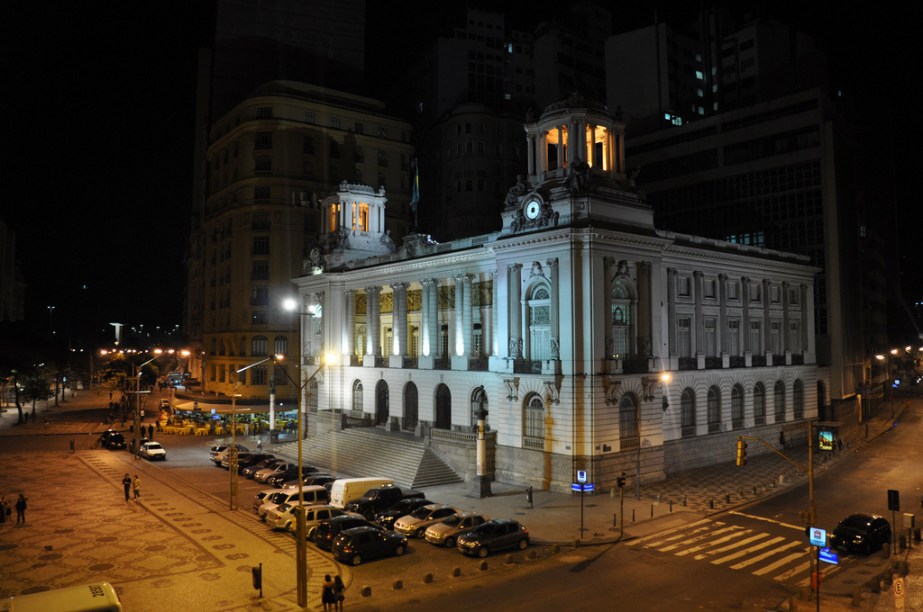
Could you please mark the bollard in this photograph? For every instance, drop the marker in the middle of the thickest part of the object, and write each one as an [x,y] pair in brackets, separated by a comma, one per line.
[755,489]
[671,505]
[257,574]
[427,578]
[652,510]
[632,515]
[397,585]
[72,447]
[684,500]
[456,572]
[529,496]
[615,522]
[711,502]
[727,498]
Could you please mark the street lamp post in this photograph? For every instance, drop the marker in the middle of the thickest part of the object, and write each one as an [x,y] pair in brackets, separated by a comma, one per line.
[301,565]
[136,442]
[232,450]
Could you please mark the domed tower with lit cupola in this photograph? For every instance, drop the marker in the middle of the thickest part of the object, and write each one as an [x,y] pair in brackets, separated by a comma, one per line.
[576,162]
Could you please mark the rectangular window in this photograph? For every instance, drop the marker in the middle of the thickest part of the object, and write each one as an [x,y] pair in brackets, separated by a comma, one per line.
[258,375]
[775,337]
[259,296]
[794,296]
[774,294]
[755,292]
[264,112]
[259,270]
[734,338]
[709,288]
[335,123]
[260,221]
[259,317]
[684,337]
[263,140]
[260,245]
[360,129]
[309,118]
[683,286]
[382,158]
[794,337]
[756,338]
[711,338]
[733,290]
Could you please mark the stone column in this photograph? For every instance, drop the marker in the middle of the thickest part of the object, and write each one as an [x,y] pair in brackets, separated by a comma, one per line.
[494,314]
[722,325]
[745,313]
[766,320]
[698,338]
[399,320]
[515,314]
[373,327]
[425,338]
[555,299]
[608,266]
[350,332]
[671,311]
[786,341]
[435,344]
[467,322]
[642,323]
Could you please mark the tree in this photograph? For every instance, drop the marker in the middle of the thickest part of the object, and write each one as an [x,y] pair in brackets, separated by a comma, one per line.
[35,387]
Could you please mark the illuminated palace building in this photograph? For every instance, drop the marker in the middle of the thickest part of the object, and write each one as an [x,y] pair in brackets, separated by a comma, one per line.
[594,341]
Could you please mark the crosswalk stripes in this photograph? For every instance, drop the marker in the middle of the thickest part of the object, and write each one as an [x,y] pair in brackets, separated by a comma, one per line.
[737,548]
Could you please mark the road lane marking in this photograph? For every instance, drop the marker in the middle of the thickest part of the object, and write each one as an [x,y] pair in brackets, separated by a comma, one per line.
[717,542]
[784,561]
[746,551]
[662,534]
[698,538]
[767,520]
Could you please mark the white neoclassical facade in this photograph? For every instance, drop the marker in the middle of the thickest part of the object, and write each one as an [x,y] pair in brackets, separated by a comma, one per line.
[595,341]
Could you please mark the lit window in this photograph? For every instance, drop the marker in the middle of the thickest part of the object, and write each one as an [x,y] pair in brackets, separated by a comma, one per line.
[699,75]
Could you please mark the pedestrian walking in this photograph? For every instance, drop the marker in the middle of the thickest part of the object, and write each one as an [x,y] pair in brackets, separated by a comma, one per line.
[839,444]
[259,445]
[136,487]
[339,593]
[150,432]
[21,510]
[126,484]
[326,594]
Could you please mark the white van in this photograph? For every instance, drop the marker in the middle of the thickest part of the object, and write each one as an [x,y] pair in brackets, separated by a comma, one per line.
[96,597]
[345,490]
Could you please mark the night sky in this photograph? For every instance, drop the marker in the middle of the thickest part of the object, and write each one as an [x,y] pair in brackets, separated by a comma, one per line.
[98,134]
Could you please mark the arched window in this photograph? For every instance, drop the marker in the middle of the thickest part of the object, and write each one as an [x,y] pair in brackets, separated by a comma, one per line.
[687,413]
[258,346]
[779,401]
[714,410]
[533,422]
[478,397]
[737,407]
[539,313]
[443,408]
[629,436]
[410,407]
[621,324]
[759,404]
[281,345]
[357,396]
[798,399]
[382,403]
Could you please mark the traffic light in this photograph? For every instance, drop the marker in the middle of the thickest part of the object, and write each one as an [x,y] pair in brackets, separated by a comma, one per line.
[620,481]
[741,452]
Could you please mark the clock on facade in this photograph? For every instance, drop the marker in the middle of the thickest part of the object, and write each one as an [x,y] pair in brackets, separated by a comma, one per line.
[532,209]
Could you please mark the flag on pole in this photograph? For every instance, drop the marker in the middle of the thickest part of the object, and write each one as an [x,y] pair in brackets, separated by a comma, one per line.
[415,189]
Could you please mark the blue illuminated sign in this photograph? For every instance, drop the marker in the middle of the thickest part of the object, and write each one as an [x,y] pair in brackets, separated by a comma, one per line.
[828,556]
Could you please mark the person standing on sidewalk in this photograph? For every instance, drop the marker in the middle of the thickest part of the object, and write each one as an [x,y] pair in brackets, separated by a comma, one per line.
[126,484]
[339,593]
[21,510]
[136,486]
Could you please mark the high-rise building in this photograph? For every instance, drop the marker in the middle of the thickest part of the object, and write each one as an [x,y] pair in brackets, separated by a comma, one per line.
[270,162]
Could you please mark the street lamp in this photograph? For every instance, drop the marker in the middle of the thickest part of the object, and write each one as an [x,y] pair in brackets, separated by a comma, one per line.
[301,565]
[137,416]
[232,450]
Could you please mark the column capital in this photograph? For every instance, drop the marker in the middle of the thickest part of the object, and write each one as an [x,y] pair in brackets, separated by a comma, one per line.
[373,289]
[399,286]
[551,262]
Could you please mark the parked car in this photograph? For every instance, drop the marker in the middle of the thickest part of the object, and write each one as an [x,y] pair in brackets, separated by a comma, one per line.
[324,480]
[402,508]
[247,459]
[310,495]
[279,480]
[152,451]
[359,543]
[283,516]
[112,440]
[377,499]
[264,474]
[863,533]
[493,535]
[414,524]
[250,470]
[327,531]
[446,532]
[220,452]
[260,497]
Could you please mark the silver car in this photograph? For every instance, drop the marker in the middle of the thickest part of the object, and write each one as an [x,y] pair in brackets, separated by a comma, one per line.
[446,532]
[414,524]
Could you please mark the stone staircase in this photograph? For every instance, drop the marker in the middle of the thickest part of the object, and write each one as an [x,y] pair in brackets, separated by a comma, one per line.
[366,451]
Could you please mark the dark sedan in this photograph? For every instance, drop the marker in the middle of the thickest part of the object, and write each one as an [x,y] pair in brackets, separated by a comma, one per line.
[862,533]
[279,480]
[112,440]
[359,543]
[327,531]
[323,480]
[248,459]
[493,535]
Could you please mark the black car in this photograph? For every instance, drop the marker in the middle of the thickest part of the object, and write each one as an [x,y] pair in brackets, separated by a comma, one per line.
[112,440]
[359,543]
[248,459]
[401,508]
[279,480]
[493,535]
[327,531]
[863,533]
[251,470]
